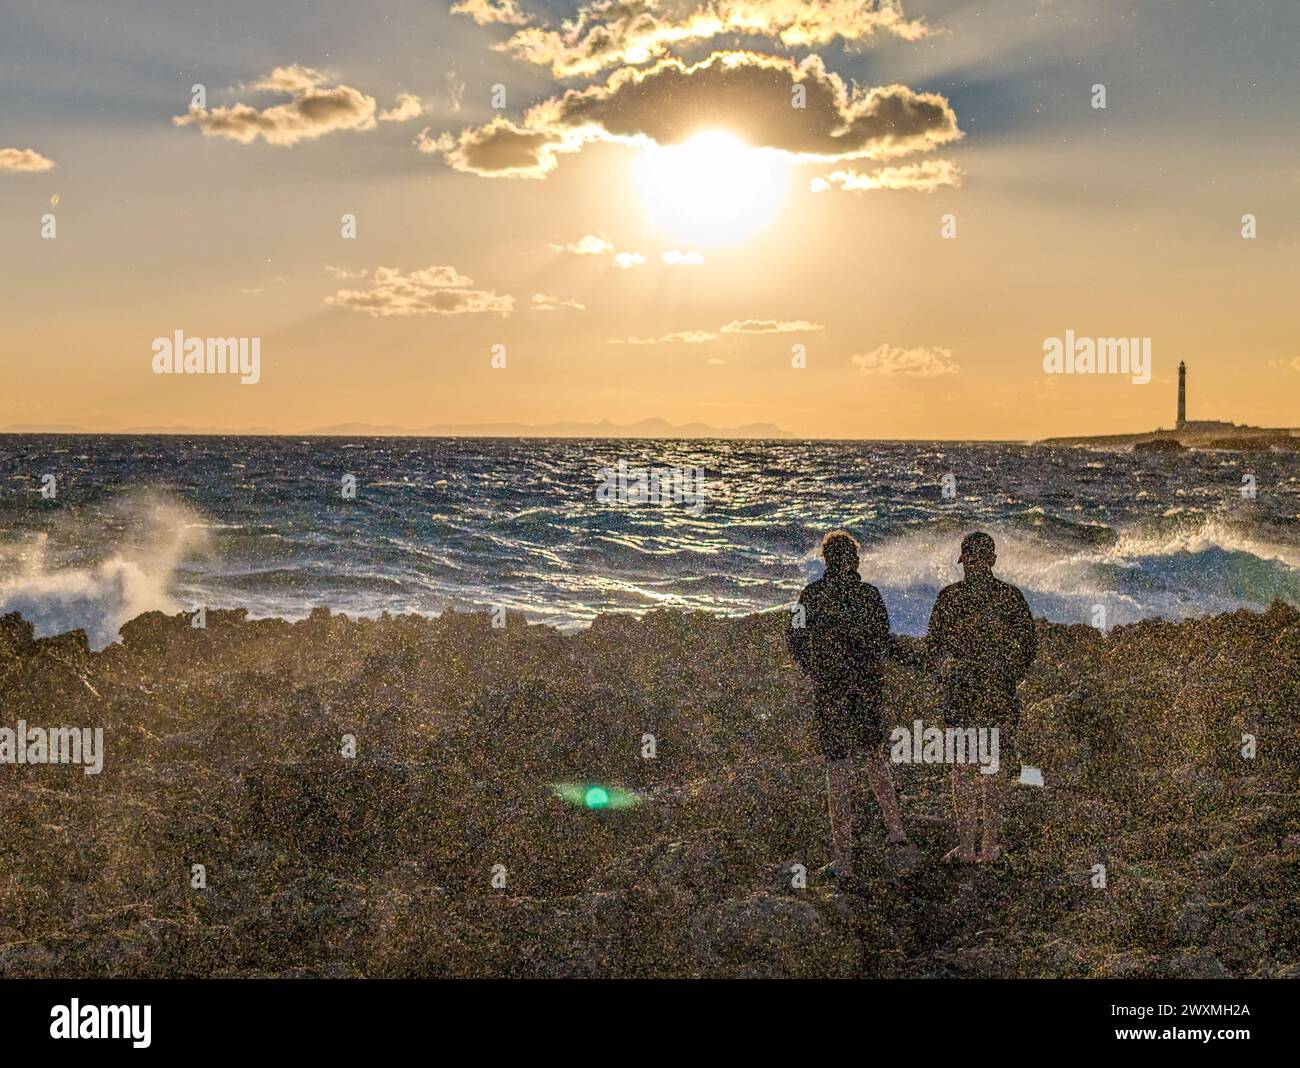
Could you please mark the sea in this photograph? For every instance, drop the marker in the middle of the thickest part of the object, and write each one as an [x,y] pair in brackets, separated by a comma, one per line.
[96,529]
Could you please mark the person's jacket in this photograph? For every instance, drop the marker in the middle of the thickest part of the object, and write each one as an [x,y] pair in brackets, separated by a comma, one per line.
[845,631]
[986,628]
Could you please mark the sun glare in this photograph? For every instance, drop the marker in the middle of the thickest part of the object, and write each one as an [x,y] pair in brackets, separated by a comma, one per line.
[712,189]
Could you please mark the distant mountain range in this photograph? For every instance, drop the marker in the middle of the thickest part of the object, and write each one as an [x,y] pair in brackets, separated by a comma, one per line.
[646,428]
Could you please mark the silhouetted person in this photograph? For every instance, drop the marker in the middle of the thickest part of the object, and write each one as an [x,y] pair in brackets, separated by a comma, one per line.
[982,633]
[839,636]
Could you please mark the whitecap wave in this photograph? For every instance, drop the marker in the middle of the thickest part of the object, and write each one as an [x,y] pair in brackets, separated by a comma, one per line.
[69,578]
[1205,564]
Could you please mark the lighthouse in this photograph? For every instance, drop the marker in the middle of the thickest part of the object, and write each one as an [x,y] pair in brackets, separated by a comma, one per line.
[1182,395]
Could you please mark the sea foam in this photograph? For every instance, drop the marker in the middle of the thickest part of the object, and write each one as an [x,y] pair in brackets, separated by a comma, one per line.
[71,578]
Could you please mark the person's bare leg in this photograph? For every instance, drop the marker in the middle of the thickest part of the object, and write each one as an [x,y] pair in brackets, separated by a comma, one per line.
[965,803]
[839,795]
[882,785]
[991,828]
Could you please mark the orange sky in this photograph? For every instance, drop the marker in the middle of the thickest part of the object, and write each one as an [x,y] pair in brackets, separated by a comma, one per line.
[1123,221]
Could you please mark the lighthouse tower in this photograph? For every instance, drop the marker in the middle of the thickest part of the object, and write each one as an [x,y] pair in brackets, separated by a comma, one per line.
[1182,395]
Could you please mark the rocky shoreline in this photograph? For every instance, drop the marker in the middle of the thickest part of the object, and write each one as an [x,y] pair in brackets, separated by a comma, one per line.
[223,747]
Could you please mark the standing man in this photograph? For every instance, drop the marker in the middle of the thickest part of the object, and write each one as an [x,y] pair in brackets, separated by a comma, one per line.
[839,635]
[982,634]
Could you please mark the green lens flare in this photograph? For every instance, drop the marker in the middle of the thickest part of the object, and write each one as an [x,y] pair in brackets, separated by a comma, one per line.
[595,796]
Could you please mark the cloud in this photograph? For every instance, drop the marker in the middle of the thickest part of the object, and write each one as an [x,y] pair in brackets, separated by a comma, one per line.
[408,106]
[343,272]
[432,291]
[923,177]
[543,302]
[628,259]
[23,159]
[1292,364]
[612,33]
[290,80]
[736,326]
[892,360]
[748,94]
[687,337]
[312,112]
[485,12]
[455,90]
[587,245]
[770,326]
[500,149]
[677,258]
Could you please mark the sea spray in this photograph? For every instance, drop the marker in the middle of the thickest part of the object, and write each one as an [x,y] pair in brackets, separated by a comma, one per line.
[72,579]
[484,523]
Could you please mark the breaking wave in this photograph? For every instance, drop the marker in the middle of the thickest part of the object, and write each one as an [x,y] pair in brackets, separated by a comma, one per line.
[56,582]
[260,524]
[1200,565]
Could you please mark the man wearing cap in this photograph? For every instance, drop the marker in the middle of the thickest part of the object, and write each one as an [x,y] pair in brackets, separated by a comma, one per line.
[982,634]
[839,635]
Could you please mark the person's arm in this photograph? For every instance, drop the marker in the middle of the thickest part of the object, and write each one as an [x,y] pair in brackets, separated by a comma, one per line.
[937,653]
[1026,635]
[796,637]
[878,625]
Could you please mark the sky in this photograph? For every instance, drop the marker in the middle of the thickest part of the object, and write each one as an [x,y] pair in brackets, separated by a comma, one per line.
[845,218]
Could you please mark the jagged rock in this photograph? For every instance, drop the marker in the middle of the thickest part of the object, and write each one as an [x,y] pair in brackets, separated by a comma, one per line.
[28,960]
[1200,964]
[15,635]
[771,937]
[71,645]
[149,633]
[1131,964]
[225,748]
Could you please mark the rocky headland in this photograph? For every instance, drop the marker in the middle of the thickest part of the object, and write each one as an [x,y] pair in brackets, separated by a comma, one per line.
[443,849]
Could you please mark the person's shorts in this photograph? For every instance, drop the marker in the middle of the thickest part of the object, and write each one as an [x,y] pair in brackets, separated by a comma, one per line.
[1002,713]
[847,720]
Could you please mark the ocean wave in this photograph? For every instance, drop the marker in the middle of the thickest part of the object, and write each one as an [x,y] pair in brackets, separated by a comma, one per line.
[130,578]
[518,525]
[1197,565]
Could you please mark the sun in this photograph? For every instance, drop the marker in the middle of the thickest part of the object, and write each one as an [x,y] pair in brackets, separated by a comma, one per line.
[712,189]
